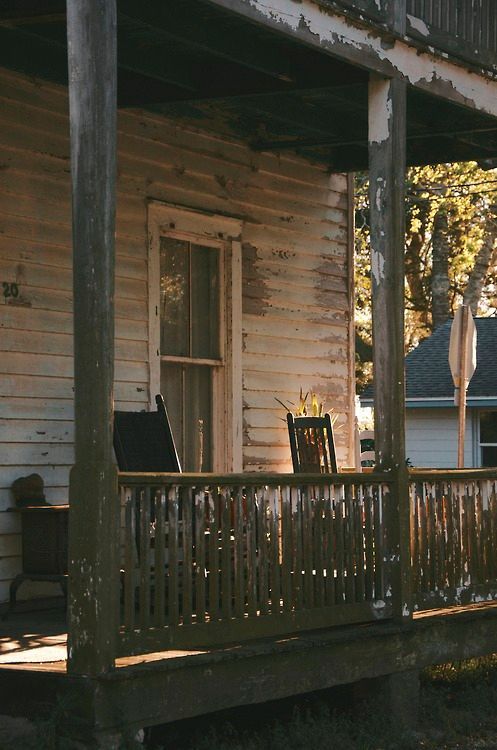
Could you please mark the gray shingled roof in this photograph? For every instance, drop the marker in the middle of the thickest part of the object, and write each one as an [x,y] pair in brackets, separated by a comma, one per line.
[427,367]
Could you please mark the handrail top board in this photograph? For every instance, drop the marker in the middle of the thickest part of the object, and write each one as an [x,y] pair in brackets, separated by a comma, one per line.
[254,479]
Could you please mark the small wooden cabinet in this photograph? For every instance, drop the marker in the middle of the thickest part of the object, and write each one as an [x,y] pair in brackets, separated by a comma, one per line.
[44,532]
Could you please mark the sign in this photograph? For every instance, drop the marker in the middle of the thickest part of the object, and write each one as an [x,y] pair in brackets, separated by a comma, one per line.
[462,362]
[462,342]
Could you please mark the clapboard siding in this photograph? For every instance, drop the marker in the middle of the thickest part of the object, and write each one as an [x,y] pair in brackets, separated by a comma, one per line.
[431,438]
[296,306]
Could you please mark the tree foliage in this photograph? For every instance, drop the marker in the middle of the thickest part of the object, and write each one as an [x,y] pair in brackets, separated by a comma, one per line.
[450,253]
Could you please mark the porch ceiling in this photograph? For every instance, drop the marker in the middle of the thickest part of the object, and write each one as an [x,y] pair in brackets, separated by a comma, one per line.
[193,61]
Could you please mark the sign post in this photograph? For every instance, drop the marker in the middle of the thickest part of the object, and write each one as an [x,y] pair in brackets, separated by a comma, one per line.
[462,361]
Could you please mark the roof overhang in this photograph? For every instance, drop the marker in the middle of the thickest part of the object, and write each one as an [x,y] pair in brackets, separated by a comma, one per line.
[290,77]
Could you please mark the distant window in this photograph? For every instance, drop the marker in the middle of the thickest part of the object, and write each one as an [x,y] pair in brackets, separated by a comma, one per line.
[488,438]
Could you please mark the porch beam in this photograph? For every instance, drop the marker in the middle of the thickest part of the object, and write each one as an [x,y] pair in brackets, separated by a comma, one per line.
[319,26]
[387,160]
[93,517]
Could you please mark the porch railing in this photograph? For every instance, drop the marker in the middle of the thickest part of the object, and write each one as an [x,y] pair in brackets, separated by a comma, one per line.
[209,559]
[453,537]
[465,28]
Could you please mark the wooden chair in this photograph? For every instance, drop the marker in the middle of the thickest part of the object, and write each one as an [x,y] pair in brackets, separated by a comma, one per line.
[312,444]
[366,448]
[143,441]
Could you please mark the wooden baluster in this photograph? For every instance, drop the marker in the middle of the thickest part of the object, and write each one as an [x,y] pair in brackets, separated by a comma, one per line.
[274,547]
[228,552]
[457,501]
[239,554]
[349,546]
[446,537]
[130,559]
[213,566]
[486,548]
[298,540]
[452,19]
[287,564]
[160,556]
[339,545]
[369,543]
[359,522]
[432,543]
[414,527]
[307,547]
[492,27]
[187,567]
[477,540]
[440,538]
[173,578]
[145,557]
[200,562]
[251,552]
[377,510]
[329,546]
[318,544]
[465,570]
[477,24]
[263,548]
[422,534]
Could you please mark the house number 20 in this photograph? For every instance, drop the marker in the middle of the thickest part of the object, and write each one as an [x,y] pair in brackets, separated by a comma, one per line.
[10,289]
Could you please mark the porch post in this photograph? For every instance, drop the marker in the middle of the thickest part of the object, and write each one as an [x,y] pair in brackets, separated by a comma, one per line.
[93,517]
[387,144]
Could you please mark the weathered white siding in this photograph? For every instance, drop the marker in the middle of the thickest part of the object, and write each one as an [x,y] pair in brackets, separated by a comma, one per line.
[295,299]
[431,438]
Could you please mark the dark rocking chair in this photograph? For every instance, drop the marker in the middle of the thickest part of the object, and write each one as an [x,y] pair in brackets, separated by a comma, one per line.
[312,444]
[143,441]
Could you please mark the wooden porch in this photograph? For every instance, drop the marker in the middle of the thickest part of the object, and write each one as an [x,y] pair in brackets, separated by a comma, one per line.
[225,579]
[192,593]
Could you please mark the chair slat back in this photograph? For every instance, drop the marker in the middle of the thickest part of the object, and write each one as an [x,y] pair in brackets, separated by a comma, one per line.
[143,441]
[312,444]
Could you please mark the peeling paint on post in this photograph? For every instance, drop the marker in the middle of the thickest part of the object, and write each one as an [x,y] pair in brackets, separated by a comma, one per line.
[387,147]
[93,516]
[387,176]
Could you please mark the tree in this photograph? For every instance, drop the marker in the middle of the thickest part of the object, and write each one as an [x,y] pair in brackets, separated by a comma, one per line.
[450,255]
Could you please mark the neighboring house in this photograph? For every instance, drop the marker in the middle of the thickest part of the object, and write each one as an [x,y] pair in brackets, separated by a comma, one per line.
[431,415]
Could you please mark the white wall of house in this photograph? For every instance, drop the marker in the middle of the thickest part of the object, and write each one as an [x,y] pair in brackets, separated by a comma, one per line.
[296,306]
[431,437]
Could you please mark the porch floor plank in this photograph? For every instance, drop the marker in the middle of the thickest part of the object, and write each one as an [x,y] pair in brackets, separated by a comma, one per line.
[33,636]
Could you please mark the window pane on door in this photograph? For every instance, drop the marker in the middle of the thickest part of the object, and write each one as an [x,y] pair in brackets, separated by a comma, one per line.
[205,301]
[198,418]
[172,392]
[174,297]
